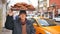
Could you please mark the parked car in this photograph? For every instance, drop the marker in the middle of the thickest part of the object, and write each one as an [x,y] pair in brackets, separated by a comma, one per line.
[57,18]
[45,26]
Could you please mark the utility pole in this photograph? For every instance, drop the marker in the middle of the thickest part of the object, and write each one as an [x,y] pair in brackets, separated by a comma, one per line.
[38,5]
[1,9]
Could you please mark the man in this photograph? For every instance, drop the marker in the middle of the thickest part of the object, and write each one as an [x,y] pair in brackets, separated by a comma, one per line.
[21,25]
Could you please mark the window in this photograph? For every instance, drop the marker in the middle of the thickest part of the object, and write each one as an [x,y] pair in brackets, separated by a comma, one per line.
[43,22]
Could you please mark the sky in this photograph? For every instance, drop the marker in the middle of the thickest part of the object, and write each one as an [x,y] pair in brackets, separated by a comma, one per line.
[33,2]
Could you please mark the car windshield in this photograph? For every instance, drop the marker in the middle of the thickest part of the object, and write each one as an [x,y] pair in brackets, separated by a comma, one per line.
[46,22]
[51,22]
[43,22]
[58,17]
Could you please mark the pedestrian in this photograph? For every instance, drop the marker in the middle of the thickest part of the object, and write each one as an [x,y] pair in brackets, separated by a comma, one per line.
[20,26]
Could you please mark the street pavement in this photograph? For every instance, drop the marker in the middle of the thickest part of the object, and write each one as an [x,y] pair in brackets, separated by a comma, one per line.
[5,31]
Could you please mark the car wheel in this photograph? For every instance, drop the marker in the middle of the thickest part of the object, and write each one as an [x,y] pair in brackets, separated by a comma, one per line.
[54,20]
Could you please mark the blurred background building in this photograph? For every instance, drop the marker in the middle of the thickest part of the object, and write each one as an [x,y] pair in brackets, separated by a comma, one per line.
[45,8]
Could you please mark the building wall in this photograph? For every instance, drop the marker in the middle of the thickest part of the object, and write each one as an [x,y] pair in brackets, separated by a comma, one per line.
[57,2]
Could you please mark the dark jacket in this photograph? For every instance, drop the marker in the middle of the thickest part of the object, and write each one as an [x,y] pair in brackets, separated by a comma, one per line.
[16,27]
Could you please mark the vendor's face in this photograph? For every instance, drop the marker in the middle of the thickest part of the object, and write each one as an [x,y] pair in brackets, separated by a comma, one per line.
[22,16]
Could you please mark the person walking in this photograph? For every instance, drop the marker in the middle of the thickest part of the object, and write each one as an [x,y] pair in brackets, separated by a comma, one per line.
[20,26]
